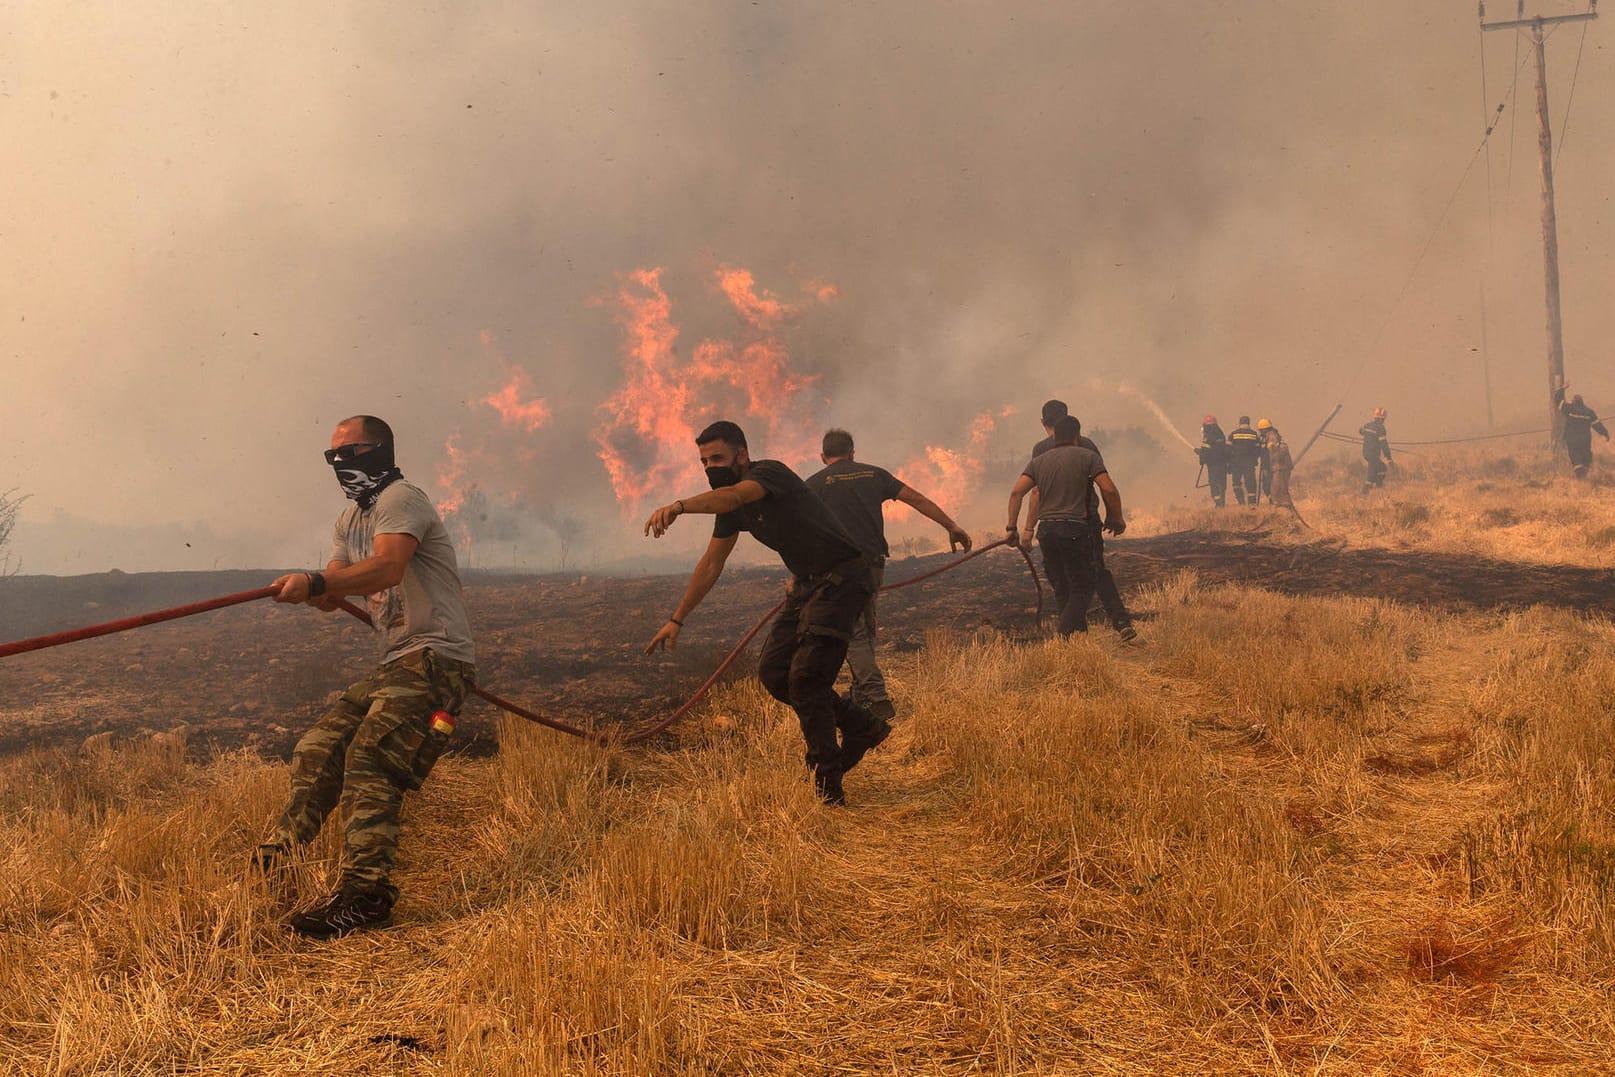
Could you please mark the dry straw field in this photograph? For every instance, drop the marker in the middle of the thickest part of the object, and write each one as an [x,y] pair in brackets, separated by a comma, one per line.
[1281,835]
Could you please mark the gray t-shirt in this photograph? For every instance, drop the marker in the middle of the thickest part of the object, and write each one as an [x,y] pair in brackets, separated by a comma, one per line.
[426,609]
[1062,475]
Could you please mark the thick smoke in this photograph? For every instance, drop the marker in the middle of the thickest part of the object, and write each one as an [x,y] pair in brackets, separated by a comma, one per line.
[228,228]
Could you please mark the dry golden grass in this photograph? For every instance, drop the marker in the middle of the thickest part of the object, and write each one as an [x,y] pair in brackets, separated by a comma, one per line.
[1511,500]
[1283,835]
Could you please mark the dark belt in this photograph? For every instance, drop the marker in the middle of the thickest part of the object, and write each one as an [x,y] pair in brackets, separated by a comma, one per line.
[836,574]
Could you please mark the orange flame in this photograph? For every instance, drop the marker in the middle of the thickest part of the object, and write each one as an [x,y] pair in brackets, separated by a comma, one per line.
[647,437]
[952,477]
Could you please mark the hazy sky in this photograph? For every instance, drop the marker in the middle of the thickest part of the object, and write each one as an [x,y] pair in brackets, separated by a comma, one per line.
[226,227]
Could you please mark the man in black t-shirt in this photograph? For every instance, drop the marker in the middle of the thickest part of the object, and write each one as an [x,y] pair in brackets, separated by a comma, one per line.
[854,493]
[1110,596]
[830,587]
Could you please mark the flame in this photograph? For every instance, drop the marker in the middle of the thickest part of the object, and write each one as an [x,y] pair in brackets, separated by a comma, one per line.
[513,411]
[529,414]
[646,439]
[952,477]
[449,473]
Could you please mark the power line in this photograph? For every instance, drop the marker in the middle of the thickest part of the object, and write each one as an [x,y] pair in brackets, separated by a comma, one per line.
[1565,123]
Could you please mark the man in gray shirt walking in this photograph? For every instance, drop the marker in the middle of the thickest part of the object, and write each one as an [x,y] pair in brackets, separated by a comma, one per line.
[1061,476]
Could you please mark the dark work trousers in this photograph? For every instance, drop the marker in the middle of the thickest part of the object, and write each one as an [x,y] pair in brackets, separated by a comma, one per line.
[802,656]
[1245,488]
[868,686]
[1579,444]
[1104,583]
[1376,471]
[1070,562]
[1217,480]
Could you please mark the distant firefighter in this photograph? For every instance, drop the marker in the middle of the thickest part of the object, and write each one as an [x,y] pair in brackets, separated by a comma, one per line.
[1265,475]
[1213,453]
[1376,449]
[1580,422]
[1110,596]
[1276,465]
[1244,453]
[1062,477]
[854,493]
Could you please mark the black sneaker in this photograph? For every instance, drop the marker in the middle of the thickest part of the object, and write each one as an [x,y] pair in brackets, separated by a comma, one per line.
[882,710]
[1126,633]
[828,784]
[853,746]
[342,912]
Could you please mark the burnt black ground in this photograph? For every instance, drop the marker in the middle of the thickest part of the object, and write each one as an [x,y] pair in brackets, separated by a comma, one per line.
[570,646]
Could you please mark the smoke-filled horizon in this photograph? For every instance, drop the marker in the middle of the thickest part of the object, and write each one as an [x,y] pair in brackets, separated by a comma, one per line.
[543,240]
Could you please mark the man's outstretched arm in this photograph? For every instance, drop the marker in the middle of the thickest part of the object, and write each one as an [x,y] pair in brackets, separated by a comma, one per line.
[957,536]
[707,571]
[711,503]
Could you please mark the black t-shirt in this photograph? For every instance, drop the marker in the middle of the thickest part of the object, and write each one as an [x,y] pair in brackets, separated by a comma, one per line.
[854,493]
[791,521]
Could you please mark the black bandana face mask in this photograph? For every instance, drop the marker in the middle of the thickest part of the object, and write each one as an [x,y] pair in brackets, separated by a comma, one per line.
[719,477]
[364,477]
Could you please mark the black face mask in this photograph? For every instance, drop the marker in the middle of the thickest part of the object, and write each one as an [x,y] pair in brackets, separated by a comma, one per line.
[719,477]
[364,477]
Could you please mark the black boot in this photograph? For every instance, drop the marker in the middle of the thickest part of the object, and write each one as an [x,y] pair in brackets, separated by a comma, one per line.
[827,781]
[346,910]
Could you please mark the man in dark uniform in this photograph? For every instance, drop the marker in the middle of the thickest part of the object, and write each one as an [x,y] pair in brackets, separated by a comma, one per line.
[1376,449]
[1062,476]
[829,589]
[1244,453]
[854,493]
[1110,596]
[1265,474]
[1213,453]
[1580,422]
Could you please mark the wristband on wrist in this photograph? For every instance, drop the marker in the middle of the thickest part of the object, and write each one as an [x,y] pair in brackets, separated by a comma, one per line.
[316,584]
[680,504]
[676,621]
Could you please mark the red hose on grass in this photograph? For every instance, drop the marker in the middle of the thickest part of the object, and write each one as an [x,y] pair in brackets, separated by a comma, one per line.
[40,643]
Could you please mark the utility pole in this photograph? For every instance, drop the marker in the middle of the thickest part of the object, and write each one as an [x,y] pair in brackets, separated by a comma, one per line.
[1550,225]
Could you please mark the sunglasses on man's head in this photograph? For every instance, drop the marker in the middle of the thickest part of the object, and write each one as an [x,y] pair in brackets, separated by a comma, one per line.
[348,452]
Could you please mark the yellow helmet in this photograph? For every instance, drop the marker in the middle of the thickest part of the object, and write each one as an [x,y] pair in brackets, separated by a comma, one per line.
[1264,424]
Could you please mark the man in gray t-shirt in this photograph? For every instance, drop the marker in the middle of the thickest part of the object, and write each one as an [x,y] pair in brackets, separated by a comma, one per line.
[383,734]
[1061,476]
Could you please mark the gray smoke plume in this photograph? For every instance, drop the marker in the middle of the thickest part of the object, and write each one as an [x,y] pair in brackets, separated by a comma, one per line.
[227,228]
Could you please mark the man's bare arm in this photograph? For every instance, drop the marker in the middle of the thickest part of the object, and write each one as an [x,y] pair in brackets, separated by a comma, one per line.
[712,503]
[1017,494]
[707,571]
[383,569]
[957,536]
[1115,522]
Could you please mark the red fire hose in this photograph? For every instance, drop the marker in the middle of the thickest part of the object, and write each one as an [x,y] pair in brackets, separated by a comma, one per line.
[40,643]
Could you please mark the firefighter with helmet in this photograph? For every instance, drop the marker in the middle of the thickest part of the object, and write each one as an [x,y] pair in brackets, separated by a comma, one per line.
[1213,453]
[1376,450]
[1244,454]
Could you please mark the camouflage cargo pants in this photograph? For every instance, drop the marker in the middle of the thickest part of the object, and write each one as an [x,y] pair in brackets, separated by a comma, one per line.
[374,745]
